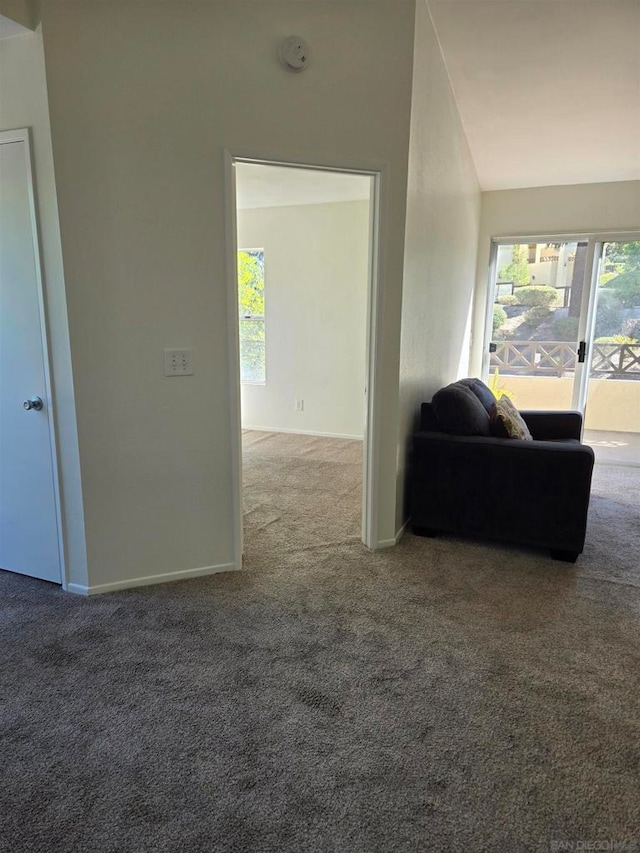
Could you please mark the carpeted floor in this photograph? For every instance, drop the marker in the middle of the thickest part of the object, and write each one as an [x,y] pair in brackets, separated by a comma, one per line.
[444,695]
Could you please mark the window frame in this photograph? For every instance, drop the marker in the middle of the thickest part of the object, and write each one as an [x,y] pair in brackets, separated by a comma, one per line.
[596,241]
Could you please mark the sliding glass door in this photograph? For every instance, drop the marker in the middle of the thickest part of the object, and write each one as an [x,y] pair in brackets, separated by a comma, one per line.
[564,333]
[612,394]
[536,314]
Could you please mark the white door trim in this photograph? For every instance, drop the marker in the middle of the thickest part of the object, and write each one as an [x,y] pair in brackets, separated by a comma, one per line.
[231,263]
[370,519]
[24,135]
[376,172]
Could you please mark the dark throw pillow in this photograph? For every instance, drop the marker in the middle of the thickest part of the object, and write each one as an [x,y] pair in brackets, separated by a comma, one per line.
[459,410]
[507,422]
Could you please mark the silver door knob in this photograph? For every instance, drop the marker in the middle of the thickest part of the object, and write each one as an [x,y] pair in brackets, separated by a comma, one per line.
[34,403]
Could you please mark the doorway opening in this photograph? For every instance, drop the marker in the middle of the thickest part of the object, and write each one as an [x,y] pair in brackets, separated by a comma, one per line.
[304,243]
[563,332]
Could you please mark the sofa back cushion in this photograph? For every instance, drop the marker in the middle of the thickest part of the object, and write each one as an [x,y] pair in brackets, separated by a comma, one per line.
[462,408]
[482,392]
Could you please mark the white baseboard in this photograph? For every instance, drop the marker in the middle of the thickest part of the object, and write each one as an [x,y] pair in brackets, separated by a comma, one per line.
[303,432]
[130,583]
[389,543]
[384,543]
[400,532]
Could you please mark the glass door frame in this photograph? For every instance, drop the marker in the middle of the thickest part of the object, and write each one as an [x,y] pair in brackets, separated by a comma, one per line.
[586,323]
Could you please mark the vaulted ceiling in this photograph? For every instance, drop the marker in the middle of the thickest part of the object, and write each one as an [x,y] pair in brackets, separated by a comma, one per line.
[548,90]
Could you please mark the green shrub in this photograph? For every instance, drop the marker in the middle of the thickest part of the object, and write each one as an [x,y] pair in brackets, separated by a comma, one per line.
[606,277]
[609,313]
[626,288]
[508,299]
[565,328]
[517,271]
[536,315]
[505,335]
[615,339]
[499,317]
[537,296]
[631,328]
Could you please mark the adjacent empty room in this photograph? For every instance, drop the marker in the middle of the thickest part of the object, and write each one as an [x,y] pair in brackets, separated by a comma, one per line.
[304,281]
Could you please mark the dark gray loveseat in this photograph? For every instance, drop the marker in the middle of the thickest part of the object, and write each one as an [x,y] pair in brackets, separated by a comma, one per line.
[529,492]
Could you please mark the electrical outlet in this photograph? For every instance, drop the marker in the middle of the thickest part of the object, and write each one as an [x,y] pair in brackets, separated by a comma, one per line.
[178,362]
[298,406]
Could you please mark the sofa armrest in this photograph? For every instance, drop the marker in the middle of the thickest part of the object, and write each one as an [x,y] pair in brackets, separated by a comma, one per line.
[556,425]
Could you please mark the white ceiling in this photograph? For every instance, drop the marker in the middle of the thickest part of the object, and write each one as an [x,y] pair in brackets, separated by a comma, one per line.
[279,186]
[9,28]
[548,90]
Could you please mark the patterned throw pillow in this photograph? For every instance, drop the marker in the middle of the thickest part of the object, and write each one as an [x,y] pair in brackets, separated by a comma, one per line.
[507,422]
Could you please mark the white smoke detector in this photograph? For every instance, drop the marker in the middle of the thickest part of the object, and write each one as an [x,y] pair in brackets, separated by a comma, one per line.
[293,53]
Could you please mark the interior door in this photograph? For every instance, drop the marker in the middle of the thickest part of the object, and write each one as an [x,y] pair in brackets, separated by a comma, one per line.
[537,322]
[29,541]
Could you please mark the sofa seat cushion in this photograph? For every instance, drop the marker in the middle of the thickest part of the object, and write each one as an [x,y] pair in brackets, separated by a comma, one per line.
[507,422]
[459,409]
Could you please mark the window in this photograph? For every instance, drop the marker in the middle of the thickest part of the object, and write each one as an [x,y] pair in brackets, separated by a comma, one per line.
[251,311]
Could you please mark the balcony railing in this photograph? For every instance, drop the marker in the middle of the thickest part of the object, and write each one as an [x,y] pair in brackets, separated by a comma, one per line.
[551,358]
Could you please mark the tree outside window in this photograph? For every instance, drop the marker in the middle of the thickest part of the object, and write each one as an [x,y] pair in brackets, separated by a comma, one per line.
[251,316]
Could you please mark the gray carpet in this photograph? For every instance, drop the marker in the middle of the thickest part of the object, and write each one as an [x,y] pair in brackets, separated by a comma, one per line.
[444,695]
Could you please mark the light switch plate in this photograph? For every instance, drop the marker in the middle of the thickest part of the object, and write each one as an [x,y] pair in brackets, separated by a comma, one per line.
[178,362]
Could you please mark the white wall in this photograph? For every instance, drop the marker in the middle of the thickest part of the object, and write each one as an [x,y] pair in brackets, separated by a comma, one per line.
[23,103]
[545,211]
[21,11]
[144,99]
[316,282]
[443,213]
